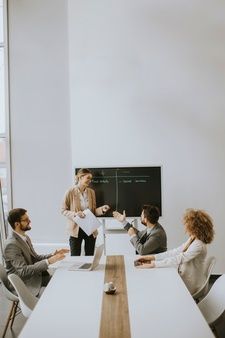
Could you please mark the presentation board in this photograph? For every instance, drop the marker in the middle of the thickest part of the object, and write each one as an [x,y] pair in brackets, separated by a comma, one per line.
[127,188]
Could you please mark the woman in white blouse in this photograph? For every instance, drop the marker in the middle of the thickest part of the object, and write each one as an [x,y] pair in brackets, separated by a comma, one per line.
[189,258]
[76,200]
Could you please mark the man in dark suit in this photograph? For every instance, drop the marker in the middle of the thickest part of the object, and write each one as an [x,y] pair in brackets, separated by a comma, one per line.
[151,240]
[20,256]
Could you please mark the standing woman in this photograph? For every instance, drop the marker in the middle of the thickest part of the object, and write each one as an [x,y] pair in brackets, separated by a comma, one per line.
[76,200]
[189,258]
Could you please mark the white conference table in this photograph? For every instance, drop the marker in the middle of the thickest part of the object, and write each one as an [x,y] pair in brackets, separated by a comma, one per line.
[159,305]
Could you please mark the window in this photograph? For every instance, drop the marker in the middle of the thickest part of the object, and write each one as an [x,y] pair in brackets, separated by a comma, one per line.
[4,115]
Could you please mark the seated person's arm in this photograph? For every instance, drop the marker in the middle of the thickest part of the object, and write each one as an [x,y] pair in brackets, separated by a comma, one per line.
[122,219]
[145,261]
[14,257]
[151,244]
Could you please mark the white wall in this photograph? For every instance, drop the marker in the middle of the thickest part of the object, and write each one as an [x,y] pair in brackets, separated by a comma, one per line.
[147,87]
[40,120]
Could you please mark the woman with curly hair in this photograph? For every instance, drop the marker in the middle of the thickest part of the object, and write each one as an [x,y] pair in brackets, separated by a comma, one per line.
[189,258]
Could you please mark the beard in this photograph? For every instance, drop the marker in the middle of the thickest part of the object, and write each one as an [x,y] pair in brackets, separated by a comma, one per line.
[144,223]
[26,227]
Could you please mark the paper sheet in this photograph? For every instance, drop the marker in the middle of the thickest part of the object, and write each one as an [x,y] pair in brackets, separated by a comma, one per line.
[89,223]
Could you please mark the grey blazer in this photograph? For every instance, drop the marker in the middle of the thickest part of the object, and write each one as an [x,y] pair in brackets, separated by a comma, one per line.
[25,262]
[153,243]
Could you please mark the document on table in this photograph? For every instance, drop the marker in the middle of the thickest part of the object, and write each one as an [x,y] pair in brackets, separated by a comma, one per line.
[89,223]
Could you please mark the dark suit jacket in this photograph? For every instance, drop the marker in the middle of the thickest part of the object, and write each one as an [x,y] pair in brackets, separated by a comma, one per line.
[153,243]
[25,262]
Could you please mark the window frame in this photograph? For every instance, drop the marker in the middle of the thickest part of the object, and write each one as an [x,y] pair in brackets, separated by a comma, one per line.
[6,136]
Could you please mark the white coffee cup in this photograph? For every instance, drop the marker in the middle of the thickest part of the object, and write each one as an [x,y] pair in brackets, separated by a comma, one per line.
[109,287]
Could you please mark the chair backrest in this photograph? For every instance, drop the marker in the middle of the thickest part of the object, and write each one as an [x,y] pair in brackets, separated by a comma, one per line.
[26,298]
[213,305]
[210,262]
[6,287]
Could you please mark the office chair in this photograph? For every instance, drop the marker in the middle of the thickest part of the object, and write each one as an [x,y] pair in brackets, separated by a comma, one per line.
[210,262]
[26,298]
[9,295]
[213,305]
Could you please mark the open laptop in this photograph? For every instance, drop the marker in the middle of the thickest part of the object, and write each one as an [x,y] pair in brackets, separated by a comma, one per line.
[89,266]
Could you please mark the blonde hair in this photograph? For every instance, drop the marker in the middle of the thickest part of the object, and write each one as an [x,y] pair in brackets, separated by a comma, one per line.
[199,224]
[81,173]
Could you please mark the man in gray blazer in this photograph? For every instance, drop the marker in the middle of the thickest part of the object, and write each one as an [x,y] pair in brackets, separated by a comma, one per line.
[151,240]
[20,256]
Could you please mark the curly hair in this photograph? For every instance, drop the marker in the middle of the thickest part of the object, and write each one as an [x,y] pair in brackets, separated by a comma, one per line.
[199,224]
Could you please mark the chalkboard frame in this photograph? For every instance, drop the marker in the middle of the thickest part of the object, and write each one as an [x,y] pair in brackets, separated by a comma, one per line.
[102,196]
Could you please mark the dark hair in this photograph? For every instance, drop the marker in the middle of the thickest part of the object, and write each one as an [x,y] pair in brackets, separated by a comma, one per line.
[199,224]
[151,212]
[15,216]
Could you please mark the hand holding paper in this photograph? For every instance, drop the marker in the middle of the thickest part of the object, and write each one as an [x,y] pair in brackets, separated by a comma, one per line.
[81,214]
[89,223]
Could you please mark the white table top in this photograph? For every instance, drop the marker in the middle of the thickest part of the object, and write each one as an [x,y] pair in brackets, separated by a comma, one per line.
[159,305]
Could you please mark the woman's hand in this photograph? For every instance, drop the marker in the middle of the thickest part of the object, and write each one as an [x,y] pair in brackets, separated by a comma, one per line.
[81,214]
[144,260]
[146,265]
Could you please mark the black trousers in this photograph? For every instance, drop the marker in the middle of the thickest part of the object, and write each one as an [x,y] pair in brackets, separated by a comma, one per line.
[75,244]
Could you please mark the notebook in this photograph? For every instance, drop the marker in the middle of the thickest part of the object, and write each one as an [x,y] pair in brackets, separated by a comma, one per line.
[89,266]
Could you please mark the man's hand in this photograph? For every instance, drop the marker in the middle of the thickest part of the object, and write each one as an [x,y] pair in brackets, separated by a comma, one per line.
[132,231]
[61,251]
[119,217]
[56,258]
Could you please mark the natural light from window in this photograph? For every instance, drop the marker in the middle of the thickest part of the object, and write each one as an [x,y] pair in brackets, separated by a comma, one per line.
[4,139]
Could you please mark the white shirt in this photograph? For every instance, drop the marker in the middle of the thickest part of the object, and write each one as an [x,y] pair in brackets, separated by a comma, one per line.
[83,199]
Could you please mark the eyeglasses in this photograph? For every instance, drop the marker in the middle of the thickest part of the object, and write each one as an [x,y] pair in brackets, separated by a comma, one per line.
[25,221]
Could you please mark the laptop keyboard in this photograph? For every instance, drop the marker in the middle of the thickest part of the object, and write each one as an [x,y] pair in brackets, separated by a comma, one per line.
[85,266]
